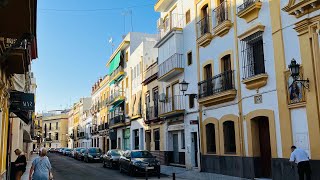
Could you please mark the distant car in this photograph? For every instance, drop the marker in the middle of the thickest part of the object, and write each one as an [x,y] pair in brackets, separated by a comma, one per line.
[92,154]
[76,152]
[67,151]
[139,161]
[80,155]
[111,158]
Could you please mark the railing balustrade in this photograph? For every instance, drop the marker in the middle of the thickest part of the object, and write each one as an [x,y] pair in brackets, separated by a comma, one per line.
[175,61]
[216,84]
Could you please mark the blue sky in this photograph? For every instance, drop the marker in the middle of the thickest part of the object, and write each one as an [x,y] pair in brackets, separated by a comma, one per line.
[73,44]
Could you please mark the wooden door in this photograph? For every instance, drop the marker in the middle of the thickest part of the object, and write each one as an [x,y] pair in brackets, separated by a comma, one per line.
[265,147]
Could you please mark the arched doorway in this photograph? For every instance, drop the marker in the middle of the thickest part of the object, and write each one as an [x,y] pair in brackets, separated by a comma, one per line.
[261,146]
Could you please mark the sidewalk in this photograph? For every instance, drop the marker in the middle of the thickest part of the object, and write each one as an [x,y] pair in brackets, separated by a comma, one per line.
[25,175]
[183,173]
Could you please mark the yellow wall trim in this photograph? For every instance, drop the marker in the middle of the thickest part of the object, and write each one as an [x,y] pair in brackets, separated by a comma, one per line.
[216,126]
[222,29]
[295,7]
[235,119]
[218,98]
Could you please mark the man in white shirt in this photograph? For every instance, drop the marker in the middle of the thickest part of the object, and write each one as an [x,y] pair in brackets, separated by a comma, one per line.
[300,157]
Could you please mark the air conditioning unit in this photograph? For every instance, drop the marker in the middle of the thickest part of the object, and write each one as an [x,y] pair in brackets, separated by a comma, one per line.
[160,23]
[162,97]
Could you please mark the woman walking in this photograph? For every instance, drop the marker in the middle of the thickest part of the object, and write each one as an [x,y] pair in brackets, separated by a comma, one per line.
[20,164]
[41,167]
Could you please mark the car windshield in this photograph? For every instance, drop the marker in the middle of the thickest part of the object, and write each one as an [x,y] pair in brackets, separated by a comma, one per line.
[94,150]
[78,150]
[68,149]
[82,150]
[116,153]
[141,154]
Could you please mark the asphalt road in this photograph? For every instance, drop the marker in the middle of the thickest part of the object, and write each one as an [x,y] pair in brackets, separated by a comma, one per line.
[67,168]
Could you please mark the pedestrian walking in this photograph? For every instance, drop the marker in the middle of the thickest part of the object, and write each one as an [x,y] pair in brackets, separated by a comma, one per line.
[20,164]
[41,167]
[300,157]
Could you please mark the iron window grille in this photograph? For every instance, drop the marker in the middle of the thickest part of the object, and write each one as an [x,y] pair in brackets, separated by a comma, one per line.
[220,14]
[253,55]
[203,26]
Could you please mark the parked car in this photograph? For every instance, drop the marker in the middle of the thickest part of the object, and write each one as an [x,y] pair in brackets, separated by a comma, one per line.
[76,152]
[111,158]
[92,154]
[139,161]
[66,151]
[80,154]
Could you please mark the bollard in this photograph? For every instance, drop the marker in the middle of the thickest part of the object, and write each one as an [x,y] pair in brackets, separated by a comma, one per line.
[173,176]
[146,173]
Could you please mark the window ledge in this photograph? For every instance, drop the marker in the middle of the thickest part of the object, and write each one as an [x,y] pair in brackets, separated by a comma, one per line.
[256,82]
[205,40]
[250,13]
[222,28]
[218,98]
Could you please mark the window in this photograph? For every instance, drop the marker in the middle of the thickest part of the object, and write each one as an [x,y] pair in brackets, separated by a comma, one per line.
[211,138]
[253,55]
[119,143]
[57,125]
[183,140]
[50,127]
[207,72]
[226,63]
[188,18]
[156,139]
[136,139]
[189,57]
[57,136]
[49,135]
[191,101]
[229,137]
[97,142]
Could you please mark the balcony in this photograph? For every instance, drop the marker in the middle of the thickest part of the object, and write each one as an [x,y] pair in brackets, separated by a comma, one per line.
[249,10]
[218,89]
[81,135]
[48,139]
[170,68]
[162,5]
[117,120]
[172,106]
[221,20]
[204,35]
[116,75]
[150,74]
[94,131]
[116,97]
[152,114]
[166,27]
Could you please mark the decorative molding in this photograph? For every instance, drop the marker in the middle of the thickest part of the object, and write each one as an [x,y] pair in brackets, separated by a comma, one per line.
[303,26]
[252,30]
[215,99]
[205,40]
[256,82]
[302,7]
[222,29]
[250,13]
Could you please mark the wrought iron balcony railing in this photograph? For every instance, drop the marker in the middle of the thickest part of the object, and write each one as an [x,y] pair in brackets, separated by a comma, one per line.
[175,61]
[115,72]
[174,21]
[220,14]
[219,83]
[246,4]
[150,73]
[203,26]
[152,112]
[117,119]
[174,103]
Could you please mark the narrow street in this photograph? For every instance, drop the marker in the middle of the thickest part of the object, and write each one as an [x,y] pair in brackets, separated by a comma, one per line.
[67,168]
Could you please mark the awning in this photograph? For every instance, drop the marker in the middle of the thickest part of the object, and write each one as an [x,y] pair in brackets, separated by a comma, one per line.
[26,137]
[116,105]
[114,63]
[116,80]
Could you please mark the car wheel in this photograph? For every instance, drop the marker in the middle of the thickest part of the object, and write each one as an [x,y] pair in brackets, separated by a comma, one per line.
[104,164]
[131,172]
[110,165]
[120,169]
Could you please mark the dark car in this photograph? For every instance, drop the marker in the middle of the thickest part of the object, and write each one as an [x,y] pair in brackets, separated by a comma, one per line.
[92,154]
[76,152]
[111,158]
[67,152]
[80,154]
[135,162]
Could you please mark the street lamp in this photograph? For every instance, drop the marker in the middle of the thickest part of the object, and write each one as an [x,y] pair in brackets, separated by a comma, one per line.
[295,74]
[183,86]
